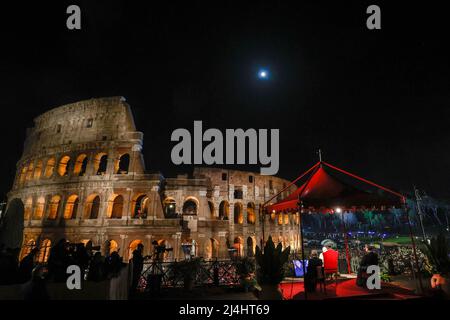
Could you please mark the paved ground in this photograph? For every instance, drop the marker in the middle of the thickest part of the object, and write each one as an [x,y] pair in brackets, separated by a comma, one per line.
[207,293]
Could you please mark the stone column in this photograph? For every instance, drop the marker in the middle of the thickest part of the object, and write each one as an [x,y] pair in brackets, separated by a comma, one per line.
[123,249]
[148,244]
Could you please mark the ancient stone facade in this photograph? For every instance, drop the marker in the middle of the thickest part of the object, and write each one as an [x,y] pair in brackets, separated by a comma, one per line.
[82,177]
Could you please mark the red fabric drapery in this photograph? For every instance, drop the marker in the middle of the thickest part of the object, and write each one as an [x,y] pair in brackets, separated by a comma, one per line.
[328,187]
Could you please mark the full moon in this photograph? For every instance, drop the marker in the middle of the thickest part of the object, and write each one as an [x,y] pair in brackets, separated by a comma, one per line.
[263,74]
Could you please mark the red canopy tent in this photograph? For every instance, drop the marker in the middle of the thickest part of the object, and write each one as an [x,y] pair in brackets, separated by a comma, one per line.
[329,189]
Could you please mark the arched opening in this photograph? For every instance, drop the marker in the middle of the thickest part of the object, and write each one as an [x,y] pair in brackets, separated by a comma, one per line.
[122,164]
[30,171]
[116,207]
[39,209]
[280,218]
[238,245]
[28,209]
[27,248]
[251,217]
[170,208]
[38,170]
[286,218]
[250,247]
[140,207]
[133,246]
[224,210]
[92,207]
[211,209]
[113,246]
[70,211]
[23,175]
[63,166]
[80,165]
[238,215]
[100,163]
[49,167]
[44,251]
[190,207]
[53,207]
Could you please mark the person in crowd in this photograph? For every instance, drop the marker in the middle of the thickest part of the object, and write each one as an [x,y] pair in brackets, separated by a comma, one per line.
[138,265]
[370,258]
[81,256]
[311,271]
[59,260]
[27,265]
[97,270]
[114,264]
[9,266]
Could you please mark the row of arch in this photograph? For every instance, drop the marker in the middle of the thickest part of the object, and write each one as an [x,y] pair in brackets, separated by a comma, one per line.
[212,248]
[78,167]
[49,206]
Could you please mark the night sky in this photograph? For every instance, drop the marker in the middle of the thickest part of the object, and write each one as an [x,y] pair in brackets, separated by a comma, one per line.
[377,102]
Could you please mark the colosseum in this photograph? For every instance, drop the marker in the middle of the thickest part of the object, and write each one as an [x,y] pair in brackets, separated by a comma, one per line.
[82,177]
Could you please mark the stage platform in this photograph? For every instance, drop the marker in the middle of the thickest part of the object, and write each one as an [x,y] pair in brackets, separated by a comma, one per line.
[345,288]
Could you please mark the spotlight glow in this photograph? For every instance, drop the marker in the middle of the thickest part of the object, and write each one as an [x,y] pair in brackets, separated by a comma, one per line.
[338,210]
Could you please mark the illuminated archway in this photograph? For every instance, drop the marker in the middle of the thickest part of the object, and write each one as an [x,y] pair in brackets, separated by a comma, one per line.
[63,166]
[238,245]
[28,208]
[30,171]
[92,206]
[39,209]
[224,210]
[190,206]
[49,167]
[238,214]
[44,251]
[251,217]
[100,163]
[80,165]
[70,211]
[122,164]
[140,206]
[53,207]
[38,170]
[115,207]
[133,246]
[23,175]
[27,248]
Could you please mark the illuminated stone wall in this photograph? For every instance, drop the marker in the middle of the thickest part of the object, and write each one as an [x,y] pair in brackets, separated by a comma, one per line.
[82,177]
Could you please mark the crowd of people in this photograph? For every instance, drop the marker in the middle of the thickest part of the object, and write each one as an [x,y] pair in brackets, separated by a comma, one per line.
[93,265]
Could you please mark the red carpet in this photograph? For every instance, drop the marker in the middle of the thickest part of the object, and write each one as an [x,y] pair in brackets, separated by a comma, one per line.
[346,289]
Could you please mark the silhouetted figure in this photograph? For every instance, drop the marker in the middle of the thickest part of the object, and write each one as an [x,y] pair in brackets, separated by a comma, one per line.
[97,270]
[138,265]
[113,265]
[36,289]
[369,259]
[59,260]
[311,271]
[27,265]
[9,266]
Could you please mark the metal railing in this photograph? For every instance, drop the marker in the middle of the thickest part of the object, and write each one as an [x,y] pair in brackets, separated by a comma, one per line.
[211,272]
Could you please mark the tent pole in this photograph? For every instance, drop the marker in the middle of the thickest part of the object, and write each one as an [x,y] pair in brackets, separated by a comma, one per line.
[416,260]
[303,249]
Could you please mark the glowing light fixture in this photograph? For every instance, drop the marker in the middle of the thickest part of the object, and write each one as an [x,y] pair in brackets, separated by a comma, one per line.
[338,210]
